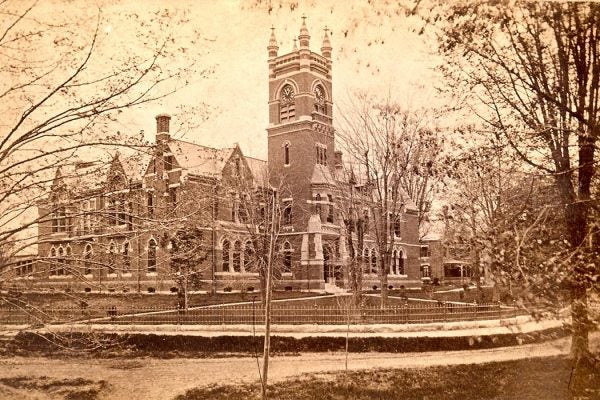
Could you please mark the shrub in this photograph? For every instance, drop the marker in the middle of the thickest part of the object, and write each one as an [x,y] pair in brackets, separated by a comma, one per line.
[87,290]
[111,290]
[227,289]
[375,287]
[391,287]
[436,281]
[288,288]
[125,290]
[151,290]
[174,290]
[250,289]
[68,290]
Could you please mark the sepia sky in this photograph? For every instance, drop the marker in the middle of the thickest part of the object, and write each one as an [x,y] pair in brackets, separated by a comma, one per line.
[370,52]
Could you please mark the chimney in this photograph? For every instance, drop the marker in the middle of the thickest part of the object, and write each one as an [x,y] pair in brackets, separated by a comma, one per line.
[337,158]
[162,127]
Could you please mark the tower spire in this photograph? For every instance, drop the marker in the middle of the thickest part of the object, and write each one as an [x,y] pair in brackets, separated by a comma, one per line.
[326,47]
[272,47]
[304,37]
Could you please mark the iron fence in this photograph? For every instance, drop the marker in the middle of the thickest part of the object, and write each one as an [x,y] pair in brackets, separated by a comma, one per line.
[254,314]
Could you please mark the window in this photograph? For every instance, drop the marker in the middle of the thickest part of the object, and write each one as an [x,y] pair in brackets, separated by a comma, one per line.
[52,261]
[321,154]
[237,255]
[330,209]
[25,268]
[87,260]
[60,262]
[373,261]
[111,258]
[319,99]
[366,221]
[59,220]
[248,257]
[150,202]
[287,213]
[287,105]
[112,212]
[318,204]
[365,261]
[394,265]
[68,261]
[126,261]
[121,210]
[396,225]
[286,154]
[225,256]
[400,264]
[152,255]
[287,257]
[172,198]
[425,273]
[168,163]
[425,252]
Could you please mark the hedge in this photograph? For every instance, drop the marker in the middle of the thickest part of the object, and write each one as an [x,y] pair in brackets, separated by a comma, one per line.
[160,345]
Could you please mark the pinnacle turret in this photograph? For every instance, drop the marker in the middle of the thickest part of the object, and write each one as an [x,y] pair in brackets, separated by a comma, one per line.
[304,37]
[326,47]
[272,47]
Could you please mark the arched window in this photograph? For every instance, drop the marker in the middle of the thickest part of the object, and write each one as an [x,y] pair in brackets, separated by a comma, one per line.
[319,99]
[68,261]
[425,273]
[248,257]
[394,265]
[87,260]
[225,255]
[318,204]
[126,260]
[286,154]
[373,261]
[152,255]
[401,263]
[365,261]
[287,105]
[237,255]
[330,209]
[60,262]
[53,266]
[287,257]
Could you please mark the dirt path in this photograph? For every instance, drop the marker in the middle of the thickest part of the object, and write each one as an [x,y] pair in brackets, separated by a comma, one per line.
[150,378]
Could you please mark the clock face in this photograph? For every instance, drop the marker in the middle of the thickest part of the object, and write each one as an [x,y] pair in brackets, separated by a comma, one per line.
[319,95]
[287,94]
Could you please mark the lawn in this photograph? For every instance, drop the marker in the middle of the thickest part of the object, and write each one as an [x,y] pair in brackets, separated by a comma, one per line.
[531,379]
[144,300]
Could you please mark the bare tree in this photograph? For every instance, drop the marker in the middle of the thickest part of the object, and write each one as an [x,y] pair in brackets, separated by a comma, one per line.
[534,71]
[394,151]
[57,103]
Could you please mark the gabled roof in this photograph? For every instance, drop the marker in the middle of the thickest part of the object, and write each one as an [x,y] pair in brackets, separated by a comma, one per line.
[206,161]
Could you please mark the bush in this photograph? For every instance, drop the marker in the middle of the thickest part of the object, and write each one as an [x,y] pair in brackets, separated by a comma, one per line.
[174,289]
[87,290]
[288,288]
[436,281]
[391,287]
[250,289]
[375,287]
[151,290]
[227,289]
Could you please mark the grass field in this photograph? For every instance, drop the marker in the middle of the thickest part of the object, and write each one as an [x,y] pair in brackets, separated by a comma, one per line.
[532,379]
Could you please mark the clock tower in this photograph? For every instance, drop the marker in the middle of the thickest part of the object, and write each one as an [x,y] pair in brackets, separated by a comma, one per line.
[301,149]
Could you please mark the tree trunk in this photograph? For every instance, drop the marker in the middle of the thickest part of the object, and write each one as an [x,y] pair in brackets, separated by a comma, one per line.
[267,341]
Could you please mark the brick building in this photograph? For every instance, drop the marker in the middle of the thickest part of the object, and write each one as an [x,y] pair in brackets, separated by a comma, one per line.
[109,225]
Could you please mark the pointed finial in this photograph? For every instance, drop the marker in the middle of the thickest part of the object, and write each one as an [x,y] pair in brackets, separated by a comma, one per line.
[326,47]
[272,47]
[304,36]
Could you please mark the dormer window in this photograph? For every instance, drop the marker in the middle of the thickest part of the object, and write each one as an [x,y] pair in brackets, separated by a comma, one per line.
[287,105]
